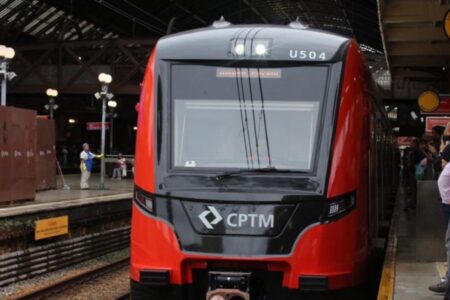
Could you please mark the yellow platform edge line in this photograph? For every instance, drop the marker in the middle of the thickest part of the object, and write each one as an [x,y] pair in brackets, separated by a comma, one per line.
[387,282]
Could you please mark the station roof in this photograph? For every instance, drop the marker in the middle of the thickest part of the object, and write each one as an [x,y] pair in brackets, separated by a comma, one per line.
[415,43]
[49,20]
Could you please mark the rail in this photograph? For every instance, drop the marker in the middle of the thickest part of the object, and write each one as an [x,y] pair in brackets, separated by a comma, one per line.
[74,280]
[24,264]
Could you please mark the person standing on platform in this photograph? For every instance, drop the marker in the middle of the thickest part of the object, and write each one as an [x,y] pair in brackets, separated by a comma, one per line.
[86,163]
[417,158]
[444,191]
[119,166]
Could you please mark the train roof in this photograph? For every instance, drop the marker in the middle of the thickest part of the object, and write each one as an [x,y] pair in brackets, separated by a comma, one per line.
[290,42]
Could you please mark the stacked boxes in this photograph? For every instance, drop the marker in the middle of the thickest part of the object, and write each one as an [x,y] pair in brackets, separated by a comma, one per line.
[5,155]
[27,158]
[45,155]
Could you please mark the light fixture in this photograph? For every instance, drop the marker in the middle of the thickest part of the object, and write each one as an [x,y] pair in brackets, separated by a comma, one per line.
[101,77]
[414,115]
[6,52]
[10,53]
[11,75]
[260,49]
[112,103]
[72,121]
[239,49]
[135,128]
[52,93]
[105,78]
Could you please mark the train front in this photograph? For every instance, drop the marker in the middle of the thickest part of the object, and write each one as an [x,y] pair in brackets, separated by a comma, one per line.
[234,144]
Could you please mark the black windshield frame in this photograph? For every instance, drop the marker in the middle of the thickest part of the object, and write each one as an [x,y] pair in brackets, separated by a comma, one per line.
[265,65]
[188,182]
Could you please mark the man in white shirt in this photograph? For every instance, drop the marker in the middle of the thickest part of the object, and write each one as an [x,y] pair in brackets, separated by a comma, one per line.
[86,164]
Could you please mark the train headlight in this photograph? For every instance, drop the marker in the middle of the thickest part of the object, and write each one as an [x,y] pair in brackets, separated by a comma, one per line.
[339,207]
[239,49]
[144,200]
[250,47]
[260,49]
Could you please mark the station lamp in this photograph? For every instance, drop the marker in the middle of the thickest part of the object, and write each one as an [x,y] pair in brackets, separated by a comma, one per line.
[112,104]
[6,54]
[104,95]
[51,106]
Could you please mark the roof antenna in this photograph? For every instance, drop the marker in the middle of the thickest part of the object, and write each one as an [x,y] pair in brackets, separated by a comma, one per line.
[170,26]
[221,23]
[297,24]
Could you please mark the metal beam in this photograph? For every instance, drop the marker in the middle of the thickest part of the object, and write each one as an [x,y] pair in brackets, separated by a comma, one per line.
[256,11]
[190,13]
[13,11]
[414,33]
[418,48]
[57,64]
[413,11]
[84,43]
[86,65]
[50,25]
[419,61]
[408,73]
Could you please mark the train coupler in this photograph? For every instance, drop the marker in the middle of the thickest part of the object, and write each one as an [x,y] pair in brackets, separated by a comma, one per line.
[228,286]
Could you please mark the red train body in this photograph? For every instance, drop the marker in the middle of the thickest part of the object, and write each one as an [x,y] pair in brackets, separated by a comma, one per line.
[306,228]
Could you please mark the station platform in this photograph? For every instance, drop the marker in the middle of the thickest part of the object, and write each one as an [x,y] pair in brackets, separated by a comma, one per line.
[66,198]
[415,256]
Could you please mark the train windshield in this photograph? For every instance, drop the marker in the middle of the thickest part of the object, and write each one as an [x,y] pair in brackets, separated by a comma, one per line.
[246,118]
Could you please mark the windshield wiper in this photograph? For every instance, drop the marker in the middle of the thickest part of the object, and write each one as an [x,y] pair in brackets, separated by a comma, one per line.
[255,170]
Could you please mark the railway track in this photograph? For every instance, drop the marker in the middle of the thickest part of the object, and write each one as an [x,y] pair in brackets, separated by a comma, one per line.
[50,291]
[21,265]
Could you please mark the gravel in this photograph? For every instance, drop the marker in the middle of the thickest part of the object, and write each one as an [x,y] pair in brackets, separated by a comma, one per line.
[14,290]
[108,286]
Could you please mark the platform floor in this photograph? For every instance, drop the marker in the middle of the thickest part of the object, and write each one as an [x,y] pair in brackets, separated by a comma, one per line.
[61,198]
[412,278]
[112,187]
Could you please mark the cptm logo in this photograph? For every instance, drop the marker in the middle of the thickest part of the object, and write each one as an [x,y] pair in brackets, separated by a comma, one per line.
[237,220]
[217,217]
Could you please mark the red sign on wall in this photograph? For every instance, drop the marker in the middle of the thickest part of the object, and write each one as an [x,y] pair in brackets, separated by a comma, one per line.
[96,126]
[444,106]
[430,122]
[404,140]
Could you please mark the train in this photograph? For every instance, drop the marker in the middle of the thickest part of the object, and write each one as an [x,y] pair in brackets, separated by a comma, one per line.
[264,163]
